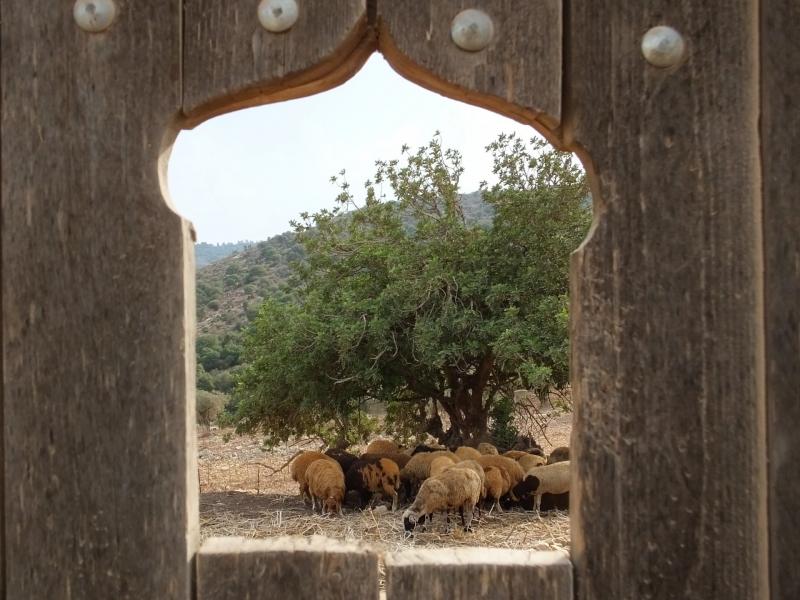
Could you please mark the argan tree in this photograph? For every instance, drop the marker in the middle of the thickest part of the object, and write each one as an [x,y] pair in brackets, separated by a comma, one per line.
[410,303]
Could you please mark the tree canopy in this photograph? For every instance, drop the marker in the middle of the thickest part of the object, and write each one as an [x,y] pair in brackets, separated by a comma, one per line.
[407,303]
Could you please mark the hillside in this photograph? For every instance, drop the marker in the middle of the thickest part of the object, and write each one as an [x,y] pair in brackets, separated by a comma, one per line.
[205,253]
[231,290]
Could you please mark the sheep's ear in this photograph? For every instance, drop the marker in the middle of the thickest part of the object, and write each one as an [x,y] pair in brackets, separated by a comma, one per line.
[532,483]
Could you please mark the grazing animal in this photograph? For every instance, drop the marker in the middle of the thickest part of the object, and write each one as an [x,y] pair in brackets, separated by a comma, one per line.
[453,489]
[423,448]
[549,479]
[474,465]
[510,466]
[497,485]
[380,446]
[439,464]
[370,477]
[326,484]
[301,464]
[487,448]
[418,469]
[398,457]
[467,453]
[515,454]
[529,461]
[560,454]
[344,458]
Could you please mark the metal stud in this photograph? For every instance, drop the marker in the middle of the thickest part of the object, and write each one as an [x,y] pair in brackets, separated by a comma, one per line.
[663,46]
[277,15]
[472,30]
[94,15]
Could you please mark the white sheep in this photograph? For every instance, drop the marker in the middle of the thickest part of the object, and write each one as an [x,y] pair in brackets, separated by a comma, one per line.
[530,461]
[453,489]
[548,479]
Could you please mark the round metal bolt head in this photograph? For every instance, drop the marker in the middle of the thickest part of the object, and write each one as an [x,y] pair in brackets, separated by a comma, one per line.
[472,30]
[94,15]
[663,46]
[277,15]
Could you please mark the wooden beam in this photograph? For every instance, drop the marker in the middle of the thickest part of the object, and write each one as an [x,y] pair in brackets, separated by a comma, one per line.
[475,573]
[518,74]
[668,444]
[300,568]
[780,147]
[98,306]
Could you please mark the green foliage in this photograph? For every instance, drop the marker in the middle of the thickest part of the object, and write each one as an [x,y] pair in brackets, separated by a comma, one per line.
[409,303]
[209,406]
[502,430]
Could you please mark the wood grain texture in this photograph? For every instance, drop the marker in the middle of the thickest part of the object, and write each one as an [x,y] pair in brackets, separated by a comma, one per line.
[780,148]
[476,573]
[667,497]
[97,427]
[231,61]
[296,568]
[518,74]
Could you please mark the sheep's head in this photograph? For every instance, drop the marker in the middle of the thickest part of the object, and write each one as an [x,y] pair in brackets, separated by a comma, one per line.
[411,519]
[525,488]
[332,505]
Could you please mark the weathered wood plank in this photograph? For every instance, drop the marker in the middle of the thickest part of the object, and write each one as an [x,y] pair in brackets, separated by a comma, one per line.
[232,62]
[97,361]
[518,74]
[474,573]
[668,443]
[780,147]
[300,568]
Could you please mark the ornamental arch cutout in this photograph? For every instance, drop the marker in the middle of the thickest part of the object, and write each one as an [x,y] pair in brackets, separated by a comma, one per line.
[684,295]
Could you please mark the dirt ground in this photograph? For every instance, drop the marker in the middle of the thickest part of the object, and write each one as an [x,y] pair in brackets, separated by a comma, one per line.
[239,495]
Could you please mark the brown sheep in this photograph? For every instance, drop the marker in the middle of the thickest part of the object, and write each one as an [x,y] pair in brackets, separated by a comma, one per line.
[439,464]
[512,467]
[487,448]
[515,454]
[560,454]
[301,464]
[467,453]
[474,465]
[453,489]
[497,485]
[398,457]
[326,484]
[529,461]
[380,446]
[374,476]
[418,469]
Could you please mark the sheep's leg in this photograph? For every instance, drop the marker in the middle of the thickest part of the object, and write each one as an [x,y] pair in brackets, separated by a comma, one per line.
[313,503]
[497,504]
[537,501]
[394,502]
[469,517]
[461,512]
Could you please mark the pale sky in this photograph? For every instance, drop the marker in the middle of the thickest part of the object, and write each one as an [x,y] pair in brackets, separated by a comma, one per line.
[244,175]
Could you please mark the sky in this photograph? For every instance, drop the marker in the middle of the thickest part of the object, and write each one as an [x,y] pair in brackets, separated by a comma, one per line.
[245,175]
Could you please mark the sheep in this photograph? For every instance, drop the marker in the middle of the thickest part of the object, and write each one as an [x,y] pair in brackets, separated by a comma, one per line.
[467,453]
[344,458]
[549,479]
[497,485]
[560,454]
[439,464]
[301,464]
[418,469]
[424,448]
[512,467]
[374,476]
[515,454]
[398,457]
[473,465]
[380,446]
[326,484]
[529,461]
[487,448]
[452,489]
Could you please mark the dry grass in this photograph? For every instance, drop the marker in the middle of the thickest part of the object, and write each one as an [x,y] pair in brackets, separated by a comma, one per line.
[239,497]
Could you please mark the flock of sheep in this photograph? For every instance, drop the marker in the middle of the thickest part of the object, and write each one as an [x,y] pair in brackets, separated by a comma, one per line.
[438,479]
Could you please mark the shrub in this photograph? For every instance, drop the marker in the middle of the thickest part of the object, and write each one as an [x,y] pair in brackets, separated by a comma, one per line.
[209,406]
